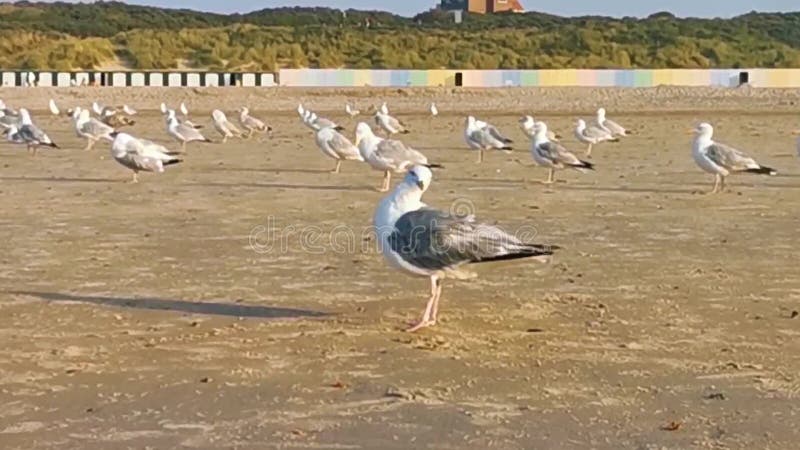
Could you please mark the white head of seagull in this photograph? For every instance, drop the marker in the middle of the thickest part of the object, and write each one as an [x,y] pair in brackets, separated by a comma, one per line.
[704,132]
[601,115]
[25,117]
[365,135]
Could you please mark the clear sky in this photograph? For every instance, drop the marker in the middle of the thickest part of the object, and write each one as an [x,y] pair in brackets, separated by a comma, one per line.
[701,8]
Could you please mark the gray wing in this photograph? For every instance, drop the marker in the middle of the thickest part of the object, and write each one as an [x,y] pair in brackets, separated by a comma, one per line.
[593,132]
[399,154]
[343,147]
[189,133]
[485,139]
[730,158]
[435,240]
[615,128]
[252,122]
[558,154]
[96,128]
[31,134]
[495,133]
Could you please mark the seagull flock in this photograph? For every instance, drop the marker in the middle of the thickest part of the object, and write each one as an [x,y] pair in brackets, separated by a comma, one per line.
[413,237]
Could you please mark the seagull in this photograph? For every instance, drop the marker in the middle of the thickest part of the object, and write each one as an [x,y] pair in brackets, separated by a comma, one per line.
[185,120]
[389,124]
[53,108]
[8,120]
[5,110]
[335,145]
[384,109]
[30,134]
[426,242]
[224,126]
[12,135]
[140,155]
[350,111]
[317,123]
[720,159]
[553,155]
[97,109]
[252,124]
[128,110]
[434,110]
[528,125]
[182,132]
[92,129]
[484,138]
[610,126]
[387,155]
[118,121]
[592,135]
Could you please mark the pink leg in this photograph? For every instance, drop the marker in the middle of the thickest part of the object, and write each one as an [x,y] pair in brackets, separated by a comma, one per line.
[428,317]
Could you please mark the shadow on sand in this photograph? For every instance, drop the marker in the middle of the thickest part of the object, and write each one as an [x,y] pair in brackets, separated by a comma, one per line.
[310,187]
[63,179]
[214,308]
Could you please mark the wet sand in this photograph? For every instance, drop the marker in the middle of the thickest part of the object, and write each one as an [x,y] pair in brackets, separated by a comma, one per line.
[140,316]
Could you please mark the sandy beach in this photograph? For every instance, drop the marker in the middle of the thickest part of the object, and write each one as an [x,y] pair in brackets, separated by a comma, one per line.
[140,316]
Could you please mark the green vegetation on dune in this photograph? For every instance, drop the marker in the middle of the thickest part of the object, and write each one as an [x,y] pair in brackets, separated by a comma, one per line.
[63,36]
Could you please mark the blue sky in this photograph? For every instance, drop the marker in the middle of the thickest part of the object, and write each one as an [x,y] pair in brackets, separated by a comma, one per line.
[708,8]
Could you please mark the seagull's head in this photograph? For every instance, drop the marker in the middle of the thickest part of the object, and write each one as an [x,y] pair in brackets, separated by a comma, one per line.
[363,131]
[420,177]
[527,121]
[470,121]
[601,113]
[703,130]
[581,124]
[244,110]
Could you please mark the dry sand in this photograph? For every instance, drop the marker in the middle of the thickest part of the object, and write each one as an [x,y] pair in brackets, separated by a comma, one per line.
[138,316]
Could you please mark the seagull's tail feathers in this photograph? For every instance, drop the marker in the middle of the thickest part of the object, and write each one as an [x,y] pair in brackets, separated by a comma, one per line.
[762,170]
[170,162]
[523,251]
[583,165]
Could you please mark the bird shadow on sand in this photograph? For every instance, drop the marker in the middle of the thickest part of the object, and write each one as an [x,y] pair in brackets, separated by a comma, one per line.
[212,308]
[310,187]
[61,179]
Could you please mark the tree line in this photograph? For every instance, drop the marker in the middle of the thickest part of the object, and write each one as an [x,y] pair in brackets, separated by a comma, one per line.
[71,36]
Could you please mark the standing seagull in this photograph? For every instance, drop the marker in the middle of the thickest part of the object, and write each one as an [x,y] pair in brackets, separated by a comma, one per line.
[610,126]
[592,135]
[350,110]
[224,126]
[181,132]
[92,129]
[387,155]
[553,155]
[482,138]
[185,120]
[140,155]
[528,126]
[720,159]
[317,123]
[53,108]
[32,135]
[252,124]
[427,242]
[335,145]
[389,124]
